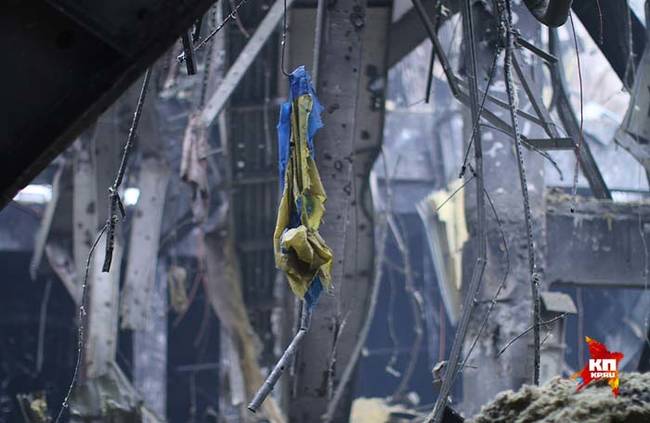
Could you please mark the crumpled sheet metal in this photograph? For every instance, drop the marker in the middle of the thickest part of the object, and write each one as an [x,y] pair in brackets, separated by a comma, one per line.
[299,249]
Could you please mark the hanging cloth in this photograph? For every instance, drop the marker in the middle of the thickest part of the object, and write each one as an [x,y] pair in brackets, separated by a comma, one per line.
[299,249]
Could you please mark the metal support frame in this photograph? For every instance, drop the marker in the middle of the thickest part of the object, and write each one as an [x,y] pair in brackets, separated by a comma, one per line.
[572,127]
[543,119]
[233,77]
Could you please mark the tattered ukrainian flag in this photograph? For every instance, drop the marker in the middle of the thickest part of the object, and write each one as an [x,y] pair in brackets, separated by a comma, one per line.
[299,249]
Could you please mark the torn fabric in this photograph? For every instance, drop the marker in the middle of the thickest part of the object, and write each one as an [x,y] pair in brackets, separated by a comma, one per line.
[299,249]
[194,165]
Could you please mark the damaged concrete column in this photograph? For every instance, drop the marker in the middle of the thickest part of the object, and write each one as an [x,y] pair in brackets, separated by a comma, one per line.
[513,311]
[150,348]
[338,88]
[144,244]
[103,288]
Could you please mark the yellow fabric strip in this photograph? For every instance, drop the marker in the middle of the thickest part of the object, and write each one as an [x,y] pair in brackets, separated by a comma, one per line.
[301,252]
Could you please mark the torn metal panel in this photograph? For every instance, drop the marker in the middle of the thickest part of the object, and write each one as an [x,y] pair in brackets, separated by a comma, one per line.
[143,244]
[57,208]
[224,291]
[600,244]
[557,302]
[443,216]
[608,21]
[634,133]
[63,266]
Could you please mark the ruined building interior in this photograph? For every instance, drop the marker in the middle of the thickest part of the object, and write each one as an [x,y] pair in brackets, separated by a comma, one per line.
[366,211]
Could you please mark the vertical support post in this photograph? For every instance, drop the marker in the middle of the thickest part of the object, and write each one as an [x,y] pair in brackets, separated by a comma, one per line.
[340,67]
[103,288]
[150,347]
[103,298]
[143,244]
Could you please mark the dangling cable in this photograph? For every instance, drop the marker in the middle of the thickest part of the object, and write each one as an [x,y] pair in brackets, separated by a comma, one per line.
[114,201]
[576,170]
[284,40]
[505,14]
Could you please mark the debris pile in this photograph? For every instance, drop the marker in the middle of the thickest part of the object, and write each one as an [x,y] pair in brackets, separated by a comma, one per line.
[558,401]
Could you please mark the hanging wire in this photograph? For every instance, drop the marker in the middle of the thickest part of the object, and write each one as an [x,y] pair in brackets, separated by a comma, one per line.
[208,62]
[576,171]
[284,41]
[475,127]
[81,331]
[115,203]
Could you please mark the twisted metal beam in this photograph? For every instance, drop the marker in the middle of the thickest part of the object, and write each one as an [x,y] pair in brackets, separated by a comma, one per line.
[552,13]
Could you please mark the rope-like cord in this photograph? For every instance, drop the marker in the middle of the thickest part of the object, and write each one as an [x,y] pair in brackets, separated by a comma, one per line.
[82,328]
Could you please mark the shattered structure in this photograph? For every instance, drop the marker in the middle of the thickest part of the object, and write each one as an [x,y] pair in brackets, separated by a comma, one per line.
[456,191]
